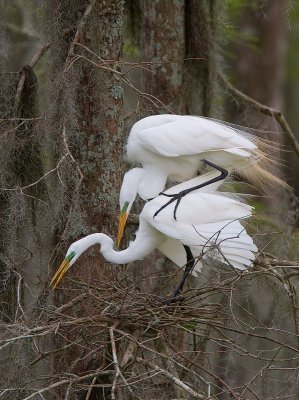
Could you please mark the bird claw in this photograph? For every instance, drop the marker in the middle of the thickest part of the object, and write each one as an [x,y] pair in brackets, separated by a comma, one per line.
[172,300]
[168,195]
[175,197]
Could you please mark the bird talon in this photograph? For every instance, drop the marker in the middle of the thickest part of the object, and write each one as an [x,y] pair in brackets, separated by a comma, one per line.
[172,300]
[168,195]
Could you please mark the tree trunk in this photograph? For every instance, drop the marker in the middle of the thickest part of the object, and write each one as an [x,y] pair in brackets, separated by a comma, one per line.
[162,43]
[91,100]
[201,65]
[81,109]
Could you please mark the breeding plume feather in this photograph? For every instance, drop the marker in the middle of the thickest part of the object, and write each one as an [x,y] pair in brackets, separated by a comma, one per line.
[174,147]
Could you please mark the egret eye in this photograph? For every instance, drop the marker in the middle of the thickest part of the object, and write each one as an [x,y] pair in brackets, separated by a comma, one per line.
[71,255]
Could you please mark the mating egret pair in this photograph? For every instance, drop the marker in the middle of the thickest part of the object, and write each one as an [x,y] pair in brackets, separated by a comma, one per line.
[174,146]
[207,222]
[208,225]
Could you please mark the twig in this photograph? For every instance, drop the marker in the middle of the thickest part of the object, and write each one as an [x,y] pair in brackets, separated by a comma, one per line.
[44,329]
[71,303]
[65,381]
[32,63]
[115,362]
[265,259]
[154,100]
[91,386]
[37,181]
[21,119]
[278,115]
[51,352]
[79,29]
[19,295]
[76,190]
[216,377]
[68,390]
[171,377]
[131,349]
[72,158]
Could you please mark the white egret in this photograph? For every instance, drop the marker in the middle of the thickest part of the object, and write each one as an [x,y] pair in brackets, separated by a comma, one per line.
[208,225]
[174,146]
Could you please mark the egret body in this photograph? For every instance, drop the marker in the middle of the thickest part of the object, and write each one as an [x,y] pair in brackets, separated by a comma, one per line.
[207,222]
[174,146]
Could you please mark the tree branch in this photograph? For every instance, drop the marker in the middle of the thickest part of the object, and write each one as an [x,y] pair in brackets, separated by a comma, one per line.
[65,381]
[118,372]
[79,30]
[32,63]
[172,378]
[278,115]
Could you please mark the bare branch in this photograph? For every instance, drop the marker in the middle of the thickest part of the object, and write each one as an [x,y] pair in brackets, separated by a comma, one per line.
[272,112]
[32,63]
[172,378]
[80,29]
[21,189]
[115,362]
[66,381]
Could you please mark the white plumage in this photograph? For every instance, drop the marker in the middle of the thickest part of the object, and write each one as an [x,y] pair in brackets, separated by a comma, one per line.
[207,222]
[173,147]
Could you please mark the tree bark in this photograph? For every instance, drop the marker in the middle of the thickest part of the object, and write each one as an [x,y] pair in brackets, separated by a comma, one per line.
[162,43]
[92,103]
[201,65]
[81,119]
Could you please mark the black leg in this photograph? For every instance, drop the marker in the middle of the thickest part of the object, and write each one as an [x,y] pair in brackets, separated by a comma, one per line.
[178,196]
[189,267]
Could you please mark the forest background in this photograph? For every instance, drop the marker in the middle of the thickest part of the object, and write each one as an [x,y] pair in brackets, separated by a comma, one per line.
[75,76]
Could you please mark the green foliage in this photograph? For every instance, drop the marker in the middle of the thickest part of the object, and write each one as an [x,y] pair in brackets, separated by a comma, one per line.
[129,50]
[231,30]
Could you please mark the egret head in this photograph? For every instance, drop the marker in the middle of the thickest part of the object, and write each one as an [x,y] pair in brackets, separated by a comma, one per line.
[72,255]
[128,193]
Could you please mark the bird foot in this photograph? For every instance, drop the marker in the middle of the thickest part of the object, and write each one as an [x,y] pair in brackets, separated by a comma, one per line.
[168,195]
[178,196]
[174,197]
[172,300]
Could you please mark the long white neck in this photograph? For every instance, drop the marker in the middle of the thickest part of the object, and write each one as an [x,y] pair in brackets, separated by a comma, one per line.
[152,183]
[137,250]
[129,187]
[147,182]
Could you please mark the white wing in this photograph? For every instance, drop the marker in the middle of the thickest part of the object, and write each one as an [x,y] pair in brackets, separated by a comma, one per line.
[177,135]
[196,208]
[174,250]
[209,224]
[226,241]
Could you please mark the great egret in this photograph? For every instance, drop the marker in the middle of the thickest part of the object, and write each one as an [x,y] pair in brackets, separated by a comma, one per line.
[208,225]
[174,146]
[133,177]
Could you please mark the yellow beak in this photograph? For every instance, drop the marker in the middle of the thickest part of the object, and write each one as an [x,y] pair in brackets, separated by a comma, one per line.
[121,226]
[60,272]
